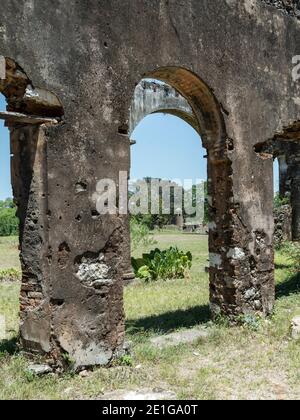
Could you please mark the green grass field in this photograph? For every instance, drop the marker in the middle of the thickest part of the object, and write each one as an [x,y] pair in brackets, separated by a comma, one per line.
[233,363]
[9,254]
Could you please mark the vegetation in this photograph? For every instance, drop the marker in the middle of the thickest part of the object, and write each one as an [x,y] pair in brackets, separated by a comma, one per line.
[255,360]
[9,224]
[140,235]
[168,264]
[10,274]
[158,221]
[280,201]
[292,251]
[9,253]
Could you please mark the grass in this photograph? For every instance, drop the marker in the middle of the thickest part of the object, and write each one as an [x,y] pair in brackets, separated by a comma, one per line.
[233,363]
[9,254]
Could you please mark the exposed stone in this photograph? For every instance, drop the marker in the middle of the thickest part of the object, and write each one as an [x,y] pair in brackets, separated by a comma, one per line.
[288,7]
[39,370]
[296,328]
[215,260]
[283,224]
[236,254]
[94,273]
[179,338]
[250,294]
[84,374]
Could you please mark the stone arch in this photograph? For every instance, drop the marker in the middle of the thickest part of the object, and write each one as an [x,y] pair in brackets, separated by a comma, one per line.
[206,115]
[151,97]
[203,103]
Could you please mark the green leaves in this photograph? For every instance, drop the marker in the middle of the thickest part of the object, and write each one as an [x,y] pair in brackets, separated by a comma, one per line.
[292,251]
[280,201]
[168,264]
[9,224]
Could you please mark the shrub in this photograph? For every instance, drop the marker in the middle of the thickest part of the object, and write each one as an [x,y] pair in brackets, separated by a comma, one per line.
[280,201]
[140,235]
[250,321]
[168,264]
[292,250]
[9,224]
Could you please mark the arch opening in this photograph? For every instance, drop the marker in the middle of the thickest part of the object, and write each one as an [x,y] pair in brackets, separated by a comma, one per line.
[185,93]
[206,109]
[168,152]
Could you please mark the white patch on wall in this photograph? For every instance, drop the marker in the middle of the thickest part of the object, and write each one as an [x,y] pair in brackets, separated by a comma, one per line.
[215,260]
[236,254]
[209,200]
[296,101]
[94,273]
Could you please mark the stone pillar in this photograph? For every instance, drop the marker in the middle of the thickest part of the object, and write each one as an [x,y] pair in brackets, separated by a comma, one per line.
[179,221]
[29,180]
[294,174]
[241,235]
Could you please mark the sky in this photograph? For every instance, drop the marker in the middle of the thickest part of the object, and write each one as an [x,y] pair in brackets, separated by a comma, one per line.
[167,148]
[5,185]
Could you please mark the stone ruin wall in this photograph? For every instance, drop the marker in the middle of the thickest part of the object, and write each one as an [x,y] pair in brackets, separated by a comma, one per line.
[92,58]
[288,7]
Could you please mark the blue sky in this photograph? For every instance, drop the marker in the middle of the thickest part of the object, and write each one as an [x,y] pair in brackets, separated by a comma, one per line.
[5,186]
[166,148]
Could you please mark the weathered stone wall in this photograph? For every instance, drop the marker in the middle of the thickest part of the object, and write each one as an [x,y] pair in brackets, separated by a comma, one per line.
[283,224]
[92,56]
[289,176]
[151,97]
[288,7]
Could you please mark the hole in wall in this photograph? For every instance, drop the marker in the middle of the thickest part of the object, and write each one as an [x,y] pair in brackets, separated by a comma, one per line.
[123,130]
[95,214]
[81,187]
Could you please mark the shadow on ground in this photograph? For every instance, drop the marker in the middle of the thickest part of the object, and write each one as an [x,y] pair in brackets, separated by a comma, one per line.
[288,287]
[170,321]
[9,346]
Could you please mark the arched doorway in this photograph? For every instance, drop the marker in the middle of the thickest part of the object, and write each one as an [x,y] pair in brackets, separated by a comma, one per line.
[194,102]
[167,151]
